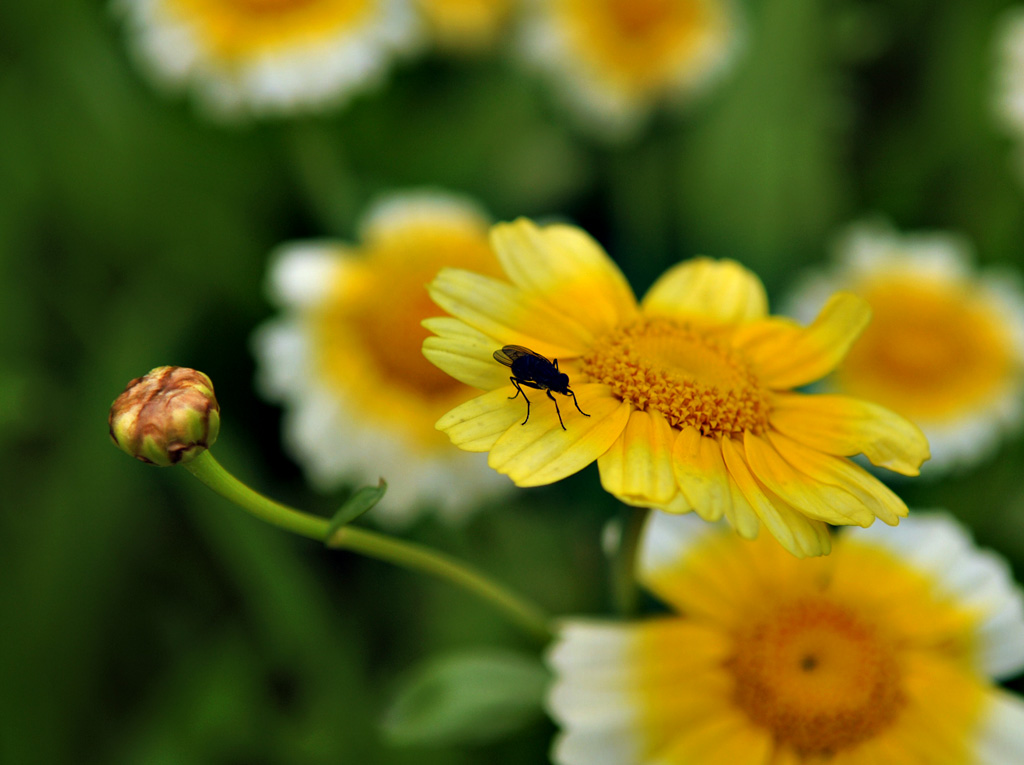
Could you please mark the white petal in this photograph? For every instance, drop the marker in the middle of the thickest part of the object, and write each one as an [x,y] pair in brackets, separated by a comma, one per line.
[589,696]
[937,544]
[302,274]
[668,538]
[1001,740]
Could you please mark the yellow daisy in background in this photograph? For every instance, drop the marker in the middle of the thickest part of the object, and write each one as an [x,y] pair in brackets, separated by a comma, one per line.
[466,25]
[615,60]
[946,345]
[268,56]
[884,653]
[344,357]
[689,394]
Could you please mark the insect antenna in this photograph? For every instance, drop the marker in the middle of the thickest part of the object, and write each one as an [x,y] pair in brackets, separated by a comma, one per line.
[575,402]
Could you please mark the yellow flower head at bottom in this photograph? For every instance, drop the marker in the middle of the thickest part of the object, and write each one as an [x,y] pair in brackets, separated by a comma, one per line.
[689,394]
[880,654]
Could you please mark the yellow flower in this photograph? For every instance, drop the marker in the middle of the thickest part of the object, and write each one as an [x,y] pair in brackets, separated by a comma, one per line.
[268,56]
[615,60]
[881,654]
[946,345]
[465,25]
[344,358]
[688,394]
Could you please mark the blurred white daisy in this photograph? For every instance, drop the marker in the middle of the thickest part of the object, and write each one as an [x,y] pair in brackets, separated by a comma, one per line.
[344,356]
[466,25]
[1010,72]
[614,61]
[261,57]
[883,653]
[945,346]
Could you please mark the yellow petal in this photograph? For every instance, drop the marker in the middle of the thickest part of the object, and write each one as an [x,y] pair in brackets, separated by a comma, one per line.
[846,426]
[800,535]
[638,466]
[464,353]
[540,452]
[723,736]
[720,290]
[698,568]
[742,516]
[815,499]
[700,473]
[837,471]
[676,506]
[502,311]
[786,355]
[567,268]
[478,424]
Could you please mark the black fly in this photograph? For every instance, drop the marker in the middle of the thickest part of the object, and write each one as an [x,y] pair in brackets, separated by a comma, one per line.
[534,371]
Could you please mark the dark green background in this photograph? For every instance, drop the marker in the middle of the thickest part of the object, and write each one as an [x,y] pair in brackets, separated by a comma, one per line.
[144,620]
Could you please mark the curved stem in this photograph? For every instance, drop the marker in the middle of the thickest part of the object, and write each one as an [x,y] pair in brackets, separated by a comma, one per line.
[420,558]
[212,473]
[409,555]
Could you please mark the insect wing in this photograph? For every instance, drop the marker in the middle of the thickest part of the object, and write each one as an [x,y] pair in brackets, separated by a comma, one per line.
[509,353]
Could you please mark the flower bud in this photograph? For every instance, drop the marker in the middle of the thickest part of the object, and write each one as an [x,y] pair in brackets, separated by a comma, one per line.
[167,417]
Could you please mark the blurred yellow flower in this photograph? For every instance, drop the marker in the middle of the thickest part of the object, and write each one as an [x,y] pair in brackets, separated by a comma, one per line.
[946,345]
[615,60]
[689,394]
[268,56]
[881,654]
[344,358]
[466,25]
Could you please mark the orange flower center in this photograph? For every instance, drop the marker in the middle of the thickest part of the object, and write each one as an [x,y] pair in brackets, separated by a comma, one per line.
[817,675]
[386,321]
[636,18]
[236,30]
[269,6]
[367,335]
[639,42]
[932,351]
[684,372]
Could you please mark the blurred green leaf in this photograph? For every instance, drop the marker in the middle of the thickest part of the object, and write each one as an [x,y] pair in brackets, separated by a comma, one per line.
[360,502]
[470,697]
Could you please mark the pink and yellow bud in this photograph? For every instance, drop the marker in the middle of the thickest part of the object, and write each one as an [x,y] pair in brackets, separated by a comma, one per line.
[167,417]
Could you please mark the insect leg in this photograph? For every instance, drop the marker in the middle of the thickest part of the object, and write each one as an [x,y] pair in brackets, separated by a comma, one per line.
[557,411]
[577,404]
[518,391]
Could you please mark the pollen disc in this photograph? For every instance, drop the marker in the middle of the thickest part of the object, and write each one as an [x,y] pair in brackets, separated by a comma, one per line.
[685,372]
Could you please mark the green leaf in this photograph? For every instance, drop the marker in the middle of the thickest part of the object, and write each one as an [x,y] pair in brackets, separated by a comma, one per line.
[469,697]
[359,503]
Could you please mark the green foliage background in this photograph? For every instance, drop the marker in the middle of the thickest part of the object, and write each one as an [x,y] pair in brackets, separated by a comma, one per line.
[144,620]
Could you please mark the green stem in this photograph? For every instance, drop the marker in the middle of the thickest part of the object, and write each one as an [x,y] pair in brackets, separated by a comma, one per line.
[420,558]
[323,171]
[409,555]
[212,473]
[624,589]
